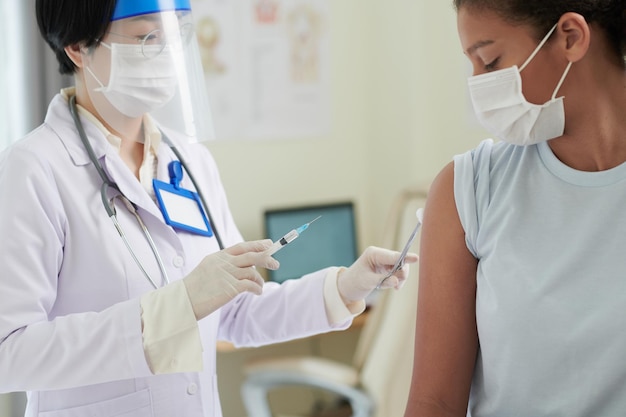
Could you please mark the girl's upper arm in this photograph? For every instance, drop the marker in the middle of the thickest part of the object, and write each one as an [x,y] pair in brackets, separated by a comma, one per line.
[446,341]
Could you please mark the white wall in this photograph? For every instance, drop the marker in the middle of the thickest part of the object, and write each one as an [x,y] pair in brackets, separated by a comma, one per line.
[400,113]
[328,168]
[28,71]
[398,105]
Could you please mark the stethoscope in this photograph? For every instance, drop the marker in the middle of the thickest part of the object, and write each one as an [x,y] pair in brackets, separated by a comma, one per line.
[109,203]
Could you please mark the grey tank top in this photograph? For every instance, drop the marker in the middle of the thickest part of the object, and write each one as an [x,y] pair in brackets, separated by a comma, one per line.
[551,282]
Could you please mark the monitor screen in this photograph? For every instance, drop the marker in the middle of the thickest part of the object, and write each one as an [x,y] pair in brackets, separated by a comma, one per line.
[329,241]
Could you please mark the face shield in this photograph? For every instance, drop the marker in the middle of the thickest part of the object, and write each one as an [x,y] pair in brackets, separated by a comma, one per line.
[148,64]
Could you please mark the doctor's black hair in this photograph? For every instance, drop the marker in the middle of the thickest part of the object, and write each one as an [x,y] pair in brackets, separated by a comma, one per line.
[67,22]
[608,15]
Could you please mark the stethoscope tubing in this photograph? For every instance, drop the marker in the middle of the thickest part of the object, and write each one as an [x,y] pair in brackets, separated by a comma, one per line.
[109,205]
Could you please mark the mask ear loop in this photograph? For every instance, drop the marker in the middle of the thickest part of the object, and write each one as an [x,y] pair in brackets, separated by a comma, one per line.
[102,86]
[558,86]
[538,48]
[536,51]
[90,71]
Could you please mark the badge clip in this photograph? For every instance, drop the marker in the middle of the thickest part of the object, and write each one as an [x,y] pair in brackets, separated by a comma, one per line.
[181,208]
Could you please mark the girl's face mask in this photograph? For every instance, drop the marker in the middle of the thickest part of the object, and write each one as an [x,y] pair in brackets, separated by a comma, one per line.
[504,111]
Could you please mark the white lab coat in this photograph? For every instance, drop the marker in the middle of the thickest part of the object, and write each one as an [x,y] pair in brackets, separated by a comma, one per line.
[70,328]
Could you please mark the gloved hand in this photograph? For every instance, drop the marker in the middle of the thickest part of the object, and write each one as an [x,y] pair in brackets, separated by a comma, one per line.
[359,280]
[223,275]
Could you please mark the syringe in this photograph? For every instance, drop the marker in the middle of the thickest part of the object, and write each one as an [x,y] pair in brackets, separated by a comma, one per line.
[289,237]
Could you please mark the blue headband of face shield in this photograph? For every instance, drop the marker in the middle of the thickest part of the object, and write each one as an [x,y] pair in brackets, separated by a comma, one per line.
[130,8]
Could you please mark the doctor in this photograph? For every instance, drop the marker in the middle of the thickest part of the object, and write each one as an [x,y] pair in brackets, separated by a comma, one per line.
[115,282]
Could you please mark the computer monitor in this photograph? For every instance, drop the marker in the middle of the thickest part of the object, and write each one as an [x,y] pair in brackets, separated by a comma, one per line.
[329,241]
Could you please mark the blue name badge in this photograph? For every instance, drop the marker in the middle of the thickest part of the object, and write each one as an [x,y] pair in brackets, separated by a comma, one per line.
[181,208]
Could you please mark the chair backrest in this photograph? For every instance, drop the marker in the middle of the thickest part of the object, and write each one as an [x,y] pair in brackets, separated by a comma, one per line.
[384,353]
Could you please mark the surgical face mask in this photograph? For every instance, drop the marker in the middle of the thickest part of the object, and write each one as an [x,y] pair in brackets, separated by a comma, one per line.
[138,85]
[504,111]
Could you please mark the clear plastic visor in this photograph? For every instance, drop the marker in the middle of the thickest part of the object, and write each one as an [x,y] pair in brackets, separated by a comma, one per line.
[149,66]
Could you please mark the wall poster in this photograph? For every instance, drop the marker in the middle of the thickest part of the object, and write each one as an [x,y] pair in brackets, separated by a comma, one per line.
[266,65]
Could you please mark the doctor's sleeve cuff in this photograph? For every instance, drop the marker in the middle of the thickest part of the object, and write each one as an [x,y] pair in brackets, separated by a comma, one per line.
[337,311]
[171,338]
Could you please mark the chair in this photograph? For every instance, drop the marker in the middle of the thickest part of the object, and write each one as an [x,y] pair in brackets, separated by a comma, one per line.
[377,382]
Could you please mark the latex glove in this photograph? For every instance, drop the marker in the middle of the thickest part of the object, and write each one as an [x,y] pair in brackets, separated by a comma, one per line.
[359,280]
[223,275]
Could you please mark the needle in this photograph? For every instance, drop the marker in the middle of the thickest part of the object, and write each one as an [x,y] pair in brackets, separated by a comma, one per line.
[306,225]
[289,237]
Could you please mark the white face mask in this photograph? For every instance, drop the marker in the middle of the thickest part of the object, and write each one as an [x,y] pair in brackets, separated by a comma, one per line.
[138,85]
[504,111]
